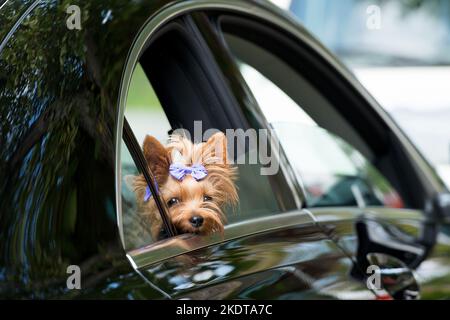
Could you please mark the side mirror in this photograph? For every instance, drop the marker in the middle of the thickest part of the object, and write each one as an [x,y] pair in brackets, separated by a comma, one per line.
[393,255]
[396,278]
[377,237]
[439,207]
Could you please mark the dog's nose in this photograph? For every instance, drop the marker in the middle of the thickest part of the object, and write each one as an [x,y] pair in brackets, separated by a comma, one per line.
[196,221]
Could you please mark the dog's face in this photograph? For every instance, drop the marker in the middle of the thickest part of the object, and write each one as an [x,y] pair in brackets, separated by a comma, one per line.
[195,199]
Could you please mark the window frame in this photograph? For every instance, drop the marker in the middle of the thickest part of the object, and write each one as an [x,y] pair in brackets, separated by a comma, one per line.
[409,174]
[186,243]
[166,28]
[195,75]
[239,229]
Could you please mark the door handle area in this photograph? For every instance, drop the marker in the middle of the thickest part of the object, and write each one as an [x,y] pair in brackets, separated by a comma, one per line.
[387,255]
[376,237]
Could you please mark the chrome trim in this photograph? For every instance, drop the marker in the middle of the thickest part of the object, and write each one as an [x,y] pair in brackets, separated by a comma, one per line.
[311,215]
[17,23]
[151,284]
[4,3]
[331,214]
[181,244]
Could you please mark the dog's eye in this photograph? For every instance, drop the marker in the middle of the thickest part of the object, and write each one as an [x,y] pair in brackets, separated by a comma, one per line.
[207,198]
[173,202]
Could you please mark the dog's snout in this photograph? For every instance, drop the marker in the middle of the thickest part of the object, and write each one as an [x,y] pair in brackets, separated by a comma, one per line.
[196,221]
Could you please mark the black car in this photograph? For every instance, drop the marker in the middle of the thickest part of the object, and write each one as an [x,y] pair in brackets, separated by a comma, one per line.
[354,211]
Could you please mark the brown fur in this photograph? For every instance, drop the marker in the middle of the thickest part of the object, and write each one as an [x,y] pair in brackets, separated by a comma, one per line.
[218,184]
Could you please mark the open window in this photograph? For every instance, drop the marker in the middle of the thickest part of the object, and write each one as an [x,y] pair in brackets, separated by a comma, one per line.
[177,83]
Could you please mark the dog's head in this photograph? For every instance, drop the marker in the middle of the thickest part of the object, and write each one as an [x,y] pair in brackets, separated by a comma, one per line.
[196,181]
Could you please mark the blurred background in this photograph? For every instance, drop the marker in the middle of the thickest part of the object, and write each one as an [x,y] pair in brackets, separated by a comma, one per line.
[400,51]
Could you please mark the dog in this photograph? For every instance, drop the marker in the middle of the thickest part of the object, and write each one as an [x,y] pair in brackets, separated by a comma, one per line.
[196,181]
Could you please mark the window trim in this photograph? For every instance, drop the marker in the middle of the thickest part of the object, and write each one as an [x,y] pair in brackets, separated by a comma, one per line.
[185,243]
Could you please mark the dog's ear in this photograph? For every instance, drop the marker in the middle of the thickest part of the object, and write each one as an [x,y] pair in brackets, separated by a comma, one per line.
[215,149]
[158,158]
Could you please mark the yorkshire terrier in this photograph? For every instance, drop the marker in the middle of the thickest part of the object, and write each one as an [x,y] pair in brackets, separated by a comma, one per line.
[196,181]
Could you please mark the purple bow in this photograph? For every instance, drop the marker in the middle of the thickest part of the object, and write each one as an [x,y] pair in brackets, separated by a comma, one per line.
[179,171]
[148,193]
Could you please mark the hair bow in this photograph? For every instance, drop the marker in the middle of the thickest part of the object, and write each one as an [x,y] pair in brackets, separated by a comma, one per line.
[179,171]
[148,193]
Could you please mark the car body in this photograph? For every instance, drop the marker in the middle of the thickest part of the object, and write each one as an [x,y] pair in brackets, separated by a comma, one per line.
[63,95]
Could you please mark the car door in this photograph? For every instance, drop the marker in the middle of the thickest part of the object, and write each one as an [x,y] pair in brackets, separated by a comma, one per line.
[363,181]
[271,247]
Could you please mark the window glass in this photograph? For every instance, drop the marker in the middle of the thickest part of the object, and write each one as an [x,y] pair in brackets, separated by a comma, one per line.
[136,228]
[333,172]
[145,116]
[144,111]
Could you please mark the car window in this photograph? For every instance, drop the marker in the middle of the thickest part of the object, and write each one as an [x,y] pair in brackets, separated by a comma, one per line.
[332,171]
[163,97]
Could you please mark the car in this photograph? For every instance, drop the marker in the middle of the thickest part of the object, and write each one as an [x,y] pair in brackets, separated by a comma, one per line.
[354,211]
